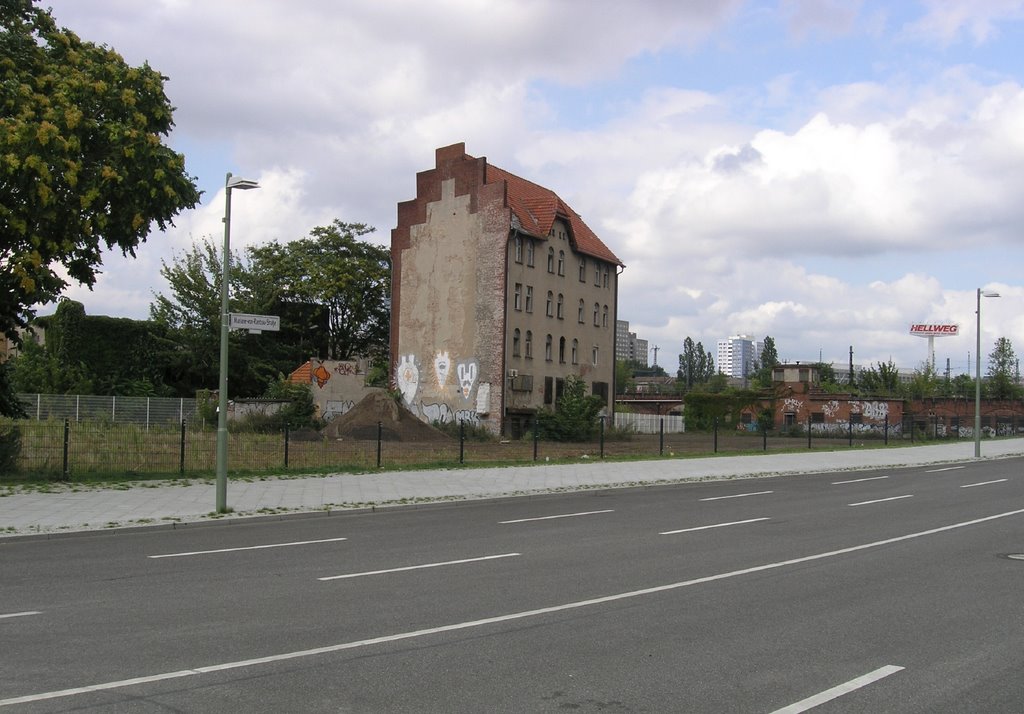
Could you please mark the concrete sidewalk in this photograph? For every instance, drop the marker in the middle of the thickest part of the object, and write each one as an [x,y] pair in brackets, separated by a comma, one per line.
[64,508]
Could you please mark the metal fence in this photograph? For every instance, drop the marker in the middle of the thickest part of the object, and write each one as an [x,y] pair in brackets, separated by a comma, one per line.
[64,449]
[144,411]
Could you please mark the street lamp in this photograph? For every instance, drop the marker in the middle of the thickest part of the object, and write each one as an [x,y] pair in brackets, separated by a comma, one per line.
[231,182]
[977,374]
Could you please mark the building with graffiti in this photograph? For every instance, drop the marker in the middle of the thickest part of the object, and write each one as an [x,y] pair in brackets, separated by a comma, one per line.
[500,291]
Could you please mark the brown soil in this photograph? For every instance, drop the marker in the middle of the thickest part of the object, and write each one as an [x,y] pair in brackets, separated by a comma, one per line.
[396,422]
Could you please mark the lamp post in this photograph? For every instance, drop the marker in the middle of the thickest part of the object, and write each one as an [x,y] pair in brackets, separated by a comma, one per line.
[977,374]
[231,182]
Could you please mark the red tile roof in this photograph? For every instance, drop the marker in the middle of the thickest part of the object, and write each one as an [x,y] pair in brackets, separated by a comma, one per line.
[303,374]
[536,208]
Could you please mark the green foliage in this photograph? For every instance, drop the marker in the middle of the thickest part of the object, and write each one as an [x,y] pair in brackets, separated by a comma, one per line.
[1003,382]
[702,408]
[575,415]
[769,358]
[926,383]
[471,432]
[883,381]
[301,412]
[349,277]
[9,404]
[82,160]
[623,376]
[10,446]
[696,366]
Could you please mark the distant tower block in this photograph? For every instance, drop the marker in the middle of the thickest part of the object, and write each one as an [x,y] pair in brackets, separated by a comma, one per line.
[931,331]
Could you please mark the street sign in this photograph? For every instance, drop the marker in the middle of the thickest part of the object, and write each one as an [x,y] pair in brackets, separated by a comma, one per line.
[255,323]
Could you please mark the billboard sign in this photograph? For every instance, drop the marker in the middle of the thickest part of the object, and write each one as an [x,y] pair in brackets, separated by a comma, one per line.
[930,330]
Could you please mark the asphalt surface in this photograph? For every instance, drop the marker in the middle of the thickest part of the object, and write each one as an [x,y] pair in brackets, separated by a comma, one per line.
[888,590]
[68,508]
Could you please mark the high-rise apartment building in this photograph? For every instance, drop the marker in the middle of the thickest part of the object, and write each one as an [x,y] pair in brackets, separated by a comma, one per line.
[737,356]
[628,347]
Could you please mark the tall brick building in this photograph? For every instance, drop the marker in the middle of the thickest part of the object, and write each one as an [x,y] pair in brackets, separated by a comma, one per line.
[499,292]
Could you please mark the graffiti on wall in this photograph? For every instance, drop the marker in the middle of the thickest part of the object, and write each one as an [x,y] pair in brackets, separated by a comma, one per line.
[876,411]
[321,376]
[336,407]
[467,372]
[830,409]
[407,378]
[483,398]
[442,366]
[792,405]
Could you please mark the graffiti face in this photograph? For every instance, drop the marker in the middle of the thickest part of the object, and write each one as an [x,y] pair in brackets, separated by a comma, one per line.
[442,367]
[321,375]
[407,378]
[467,377]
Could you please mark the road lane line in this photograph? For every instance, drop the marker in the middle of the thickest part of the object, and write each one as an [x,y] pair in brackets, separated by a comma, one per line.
[984,483]
[420,567]
[563,515]
[248,547]
[737,495]
[948,468]
[329,649]
[858,480]
[716,525]
[880,500]
[27,613]
[839,690]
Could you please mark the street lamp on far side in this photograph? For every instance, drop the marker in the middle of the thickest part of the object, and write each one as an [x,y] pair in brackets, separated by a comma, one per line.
[977,374]
[230,183]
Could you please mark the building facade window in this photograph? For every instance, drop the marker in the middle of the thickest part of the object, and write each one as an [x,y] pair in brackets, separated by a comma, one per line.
[597,315]
[550,309]
[604,316]
[583,269]
[575,351]
[579,316]
[529,298]
[547,348]
[561,350]
[561,262]
[519,248]
[561,305]
[597,274]
[551,260]
[529,344]
[515,342]
[594,356]
[517,297]
[529,252]
[604,277]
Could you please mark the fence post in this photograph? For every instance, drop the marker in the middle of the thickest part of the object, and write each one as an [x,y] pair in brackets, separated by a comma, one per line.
[113,409]
[380,435]
[535,437]
[181,464]
[462,440]
[602,436]
[67,440]
[716,436]
[849,430]
[808,431]
[886,432]
[147,413]
[661,436]
[286,444]
[764,439]
[911,428]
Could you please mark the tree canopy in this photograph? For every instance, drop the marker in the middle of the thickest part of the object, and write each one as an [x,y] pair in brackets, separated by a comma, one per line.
[696,366]
[1003,371]
[83,165]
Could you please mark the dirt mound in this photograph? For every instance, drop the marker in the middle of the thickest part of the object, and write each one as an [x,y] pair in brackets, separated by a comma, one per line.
[396,422]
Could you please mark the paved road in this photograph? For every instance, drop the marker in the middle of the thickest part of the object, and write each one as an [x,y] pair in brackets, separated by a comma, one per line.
[856,591]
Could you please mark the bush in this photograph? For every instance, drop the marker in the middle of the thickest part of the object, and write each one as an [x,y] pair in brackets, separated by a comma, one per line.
[575,414]
[10,446]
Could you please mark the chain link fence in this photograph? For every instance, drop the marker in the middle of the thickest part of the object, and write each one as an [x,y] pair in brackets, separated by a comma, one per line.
[143,411]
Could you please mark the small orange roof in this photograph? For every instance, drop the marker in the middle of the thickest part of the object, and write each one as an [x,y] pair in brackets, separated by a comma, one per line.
[302,375]
[536,208]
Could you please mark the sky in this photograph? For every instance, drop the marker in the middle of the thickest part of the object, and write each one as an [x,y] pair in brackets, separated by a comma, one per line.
[823,172]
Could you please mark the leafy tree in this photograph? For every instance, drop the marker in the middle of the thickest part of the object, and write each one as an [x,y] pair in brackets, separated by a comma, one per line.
[82,159]
[335,269]
[885,380]
[575,415]
[925,383]
[766,364]
[1001,367]
[623,376]
[696,366]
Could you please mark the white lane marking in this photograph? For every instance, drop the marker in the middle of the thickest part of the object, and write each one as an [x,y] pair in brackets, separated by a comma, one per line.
[563,515]
[984,483]
[716,525]
[880,500]
[248,547]
[948,468]
[494,620]
[858,480]
[839,690]
[20,614]
[737,495]
[419,567]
